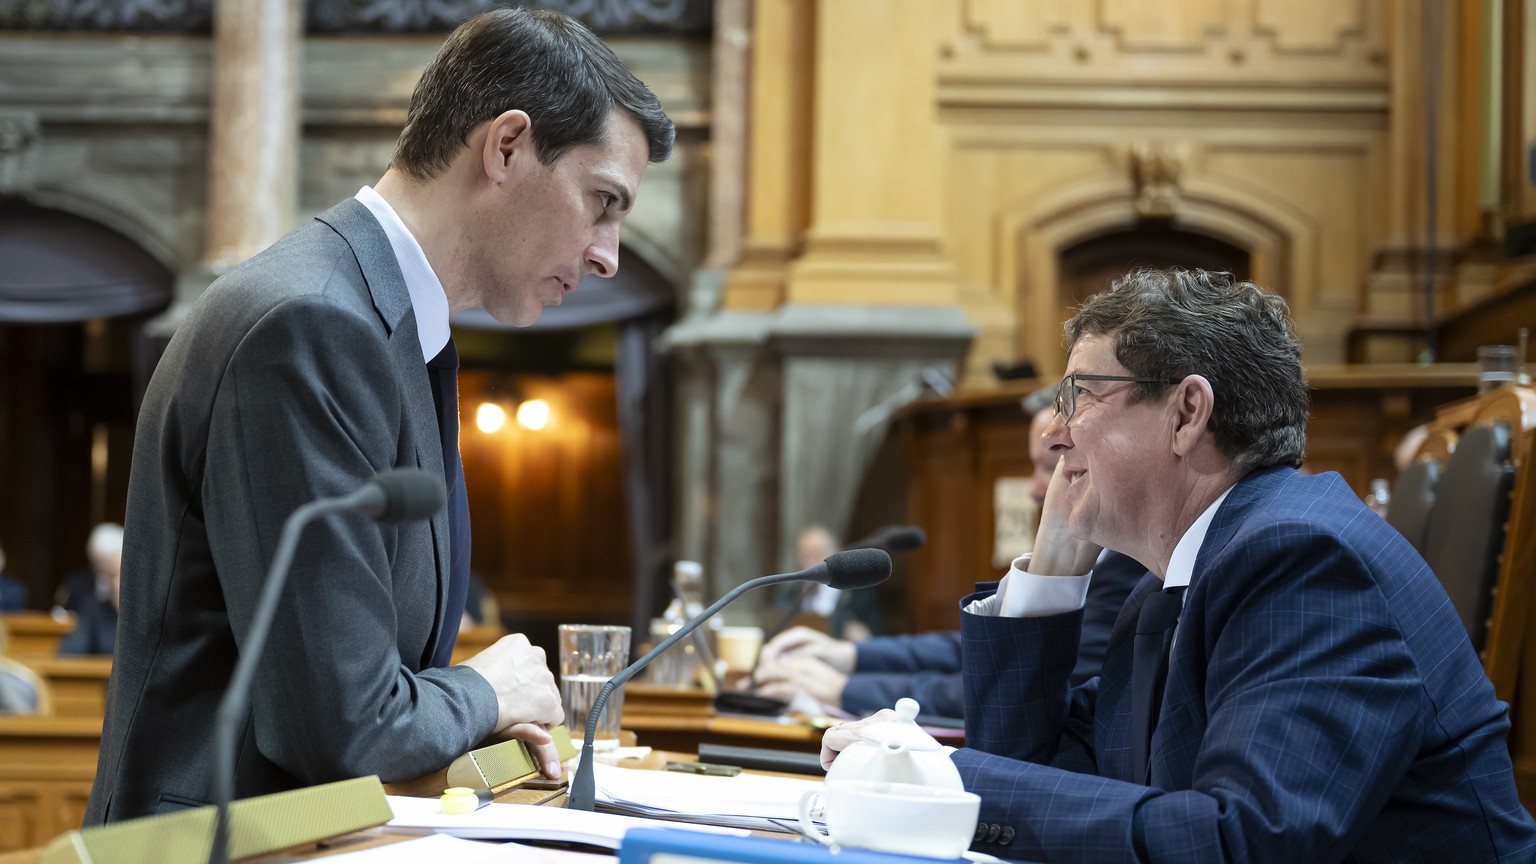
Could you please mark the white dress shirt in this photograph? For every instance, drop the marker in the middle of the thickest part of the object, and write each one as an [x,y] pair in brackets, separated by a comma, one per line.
[428,300]
[1022,594]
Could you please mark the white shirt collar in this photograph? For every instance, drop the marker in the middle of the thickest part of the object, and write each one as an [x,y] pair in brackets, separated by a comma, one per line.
[428,299]
[1181,565]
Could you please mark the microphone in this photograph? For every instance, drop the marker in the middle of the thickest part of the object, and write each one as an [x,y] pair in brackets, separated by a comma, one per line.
[400,495]
[893,538]
[855,568]
[397,495]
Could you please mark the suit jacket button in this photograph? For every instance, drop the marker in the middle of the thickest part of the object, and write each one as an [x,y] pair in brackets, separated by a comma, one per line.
[1006,837]
[992,831]
[981,831]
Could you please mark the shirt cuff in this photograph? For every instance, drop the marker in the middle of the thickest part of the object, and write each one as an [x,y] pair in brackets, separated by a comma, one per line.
[1028,595]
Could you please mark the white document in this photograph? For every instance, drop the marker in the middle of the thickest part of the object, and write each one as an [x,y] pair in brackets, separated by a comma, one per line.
[746,800]
[442,847]
[527,822]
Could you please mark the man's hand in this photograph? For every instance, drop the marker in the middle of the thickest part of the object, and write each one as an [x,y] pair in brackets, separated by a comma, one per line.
[1057,551]
[805,642]
[837,739]
[526,692]
[802,674]
[541,746]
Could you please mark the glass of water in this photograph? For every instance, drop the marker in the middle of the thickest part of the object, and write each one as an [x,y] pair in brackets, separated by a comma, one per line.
[590,654]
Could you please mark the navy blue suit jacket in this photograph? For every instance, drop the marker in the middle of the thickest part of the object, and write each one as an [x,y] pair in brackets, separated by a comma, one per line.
[1322,704]
[926,666]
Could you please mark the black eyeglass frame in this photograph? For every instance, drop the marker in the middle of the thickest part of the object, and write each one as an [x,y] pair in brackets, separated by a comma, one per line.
[1066,391]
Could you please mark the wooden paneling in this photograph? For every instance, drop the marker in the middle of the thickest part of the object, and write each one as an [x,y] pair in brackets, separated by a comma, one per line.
[46,768]
[35,634]
[78,684]
[551,538]
[1360,413]
[957,449]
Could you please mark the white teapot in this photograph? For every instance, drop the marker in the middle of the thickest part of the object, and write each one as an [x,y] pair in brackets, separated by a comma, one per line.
[897,751]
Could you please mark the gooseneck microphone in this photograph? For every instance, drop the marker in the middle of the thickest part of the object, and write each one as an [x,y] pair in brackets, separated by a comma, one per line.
[856,568]
[397,495]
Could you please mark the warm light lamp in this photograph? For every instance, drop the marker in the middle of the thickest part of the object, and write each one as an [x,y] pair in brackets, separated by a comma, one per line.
[490,417]
[533,414]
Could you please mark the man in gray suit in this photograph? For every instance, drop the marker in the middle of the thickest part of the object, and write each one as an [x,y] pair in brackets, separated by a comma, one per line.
[322,361]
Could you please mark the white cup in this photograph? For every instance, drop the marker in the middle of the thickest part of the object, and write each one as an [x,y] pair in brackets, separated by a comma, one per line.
[904,818]
[739,647]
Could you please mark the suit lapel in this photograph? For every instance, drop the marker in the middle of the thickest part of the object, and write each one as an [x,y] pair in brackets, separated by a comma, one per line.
[392,302]
[1181,718]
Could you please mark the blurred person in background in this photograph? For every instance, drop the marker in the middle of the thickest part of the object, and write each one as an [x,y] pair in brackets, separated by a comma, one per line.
[95,598]
[13,593]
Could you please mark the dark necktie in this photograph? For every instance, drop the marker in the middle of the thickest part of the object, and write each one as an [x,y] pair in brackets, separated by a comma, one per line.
[1149,669]
[444,372]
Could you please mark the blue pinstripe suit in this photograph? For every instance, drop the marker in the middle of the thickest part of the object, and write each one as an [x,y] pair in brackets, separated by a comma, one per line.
[1322,704]
[926,666]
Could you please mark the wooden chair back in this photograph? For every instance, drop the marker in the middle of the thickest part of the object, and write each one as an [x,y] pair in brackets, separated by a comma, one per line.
[1413,496]
[1509,658]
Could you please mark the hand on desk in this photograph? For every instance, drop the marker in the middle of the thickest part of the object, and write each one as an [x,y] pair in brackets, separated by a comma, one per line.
[798,675]
[527,697]
[840,654]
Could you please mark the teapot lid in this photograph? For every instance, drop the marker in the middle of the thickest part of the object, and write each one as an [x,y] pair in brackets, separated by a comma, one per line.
[901,731]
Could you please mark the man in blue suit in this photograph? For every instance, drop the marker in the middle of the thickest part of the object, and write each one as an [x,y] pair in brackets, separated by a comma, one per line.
[1290,683]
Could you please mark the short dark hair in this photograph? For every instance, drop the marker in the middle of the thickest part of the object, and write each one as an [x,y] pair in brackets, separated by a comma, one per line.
[1168,324]
[537,60]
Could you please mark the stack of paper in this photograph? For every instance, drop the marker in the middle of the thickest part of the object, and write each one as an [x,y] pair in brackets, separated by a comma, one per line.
[744,801]
[526,822]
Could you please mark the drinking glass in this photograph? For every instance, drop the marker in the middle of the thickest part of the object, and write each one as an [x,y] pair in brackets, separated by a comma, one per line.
[590,654]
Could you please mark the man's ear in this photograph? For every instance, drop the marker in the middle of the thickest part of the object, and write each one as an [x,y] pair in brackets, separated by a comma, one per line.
[1194,403]
[508,138]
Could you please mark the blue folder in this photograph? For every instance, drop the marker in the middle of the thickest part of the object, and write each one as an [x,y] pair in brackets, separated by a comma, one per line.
[660,846]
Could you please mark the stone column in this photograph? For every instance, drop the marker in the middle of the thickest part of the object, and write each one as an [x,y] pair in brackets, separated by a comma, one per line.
[877,194]
[253,138]
[254,127]
[1420,34]
[729,458]
[777,139]
[846,371]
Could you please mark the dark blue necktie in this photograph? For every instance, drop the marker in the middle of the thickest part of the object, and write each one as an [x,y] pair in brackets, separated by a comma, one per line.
[444,372]
[1149,669]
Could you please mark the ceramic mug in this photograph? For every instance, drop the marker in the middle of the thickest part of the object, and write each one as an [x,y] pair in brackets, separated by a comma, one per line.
[903,818]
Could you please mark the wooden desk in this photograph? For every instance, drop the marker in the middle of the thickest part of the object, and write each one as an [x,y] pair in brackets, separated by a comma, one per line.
[78,684]
[684,734]
[46,768]
[373,837]
[35,634]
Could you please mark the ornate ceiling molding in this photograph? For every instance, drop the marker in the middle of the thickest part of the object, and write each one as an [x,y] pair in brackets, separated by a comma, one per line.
[613,17]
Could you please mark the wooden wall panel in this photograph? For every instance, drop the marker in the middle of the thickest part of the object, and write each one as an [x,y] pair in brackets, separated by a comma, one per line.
[46,768]
[550,533]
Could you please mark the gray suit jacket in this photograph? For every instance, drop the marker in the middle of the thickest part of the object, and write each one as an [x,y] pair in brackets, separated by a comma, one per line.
[297,375]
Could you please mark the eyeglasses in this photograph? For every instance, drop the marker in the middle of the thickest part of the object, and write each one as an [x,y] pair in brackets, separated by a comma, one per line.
[1066,392]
